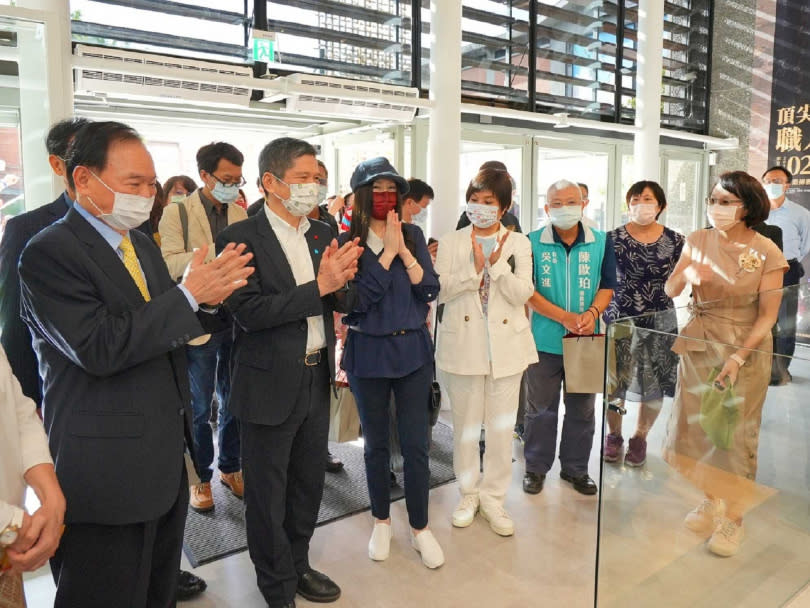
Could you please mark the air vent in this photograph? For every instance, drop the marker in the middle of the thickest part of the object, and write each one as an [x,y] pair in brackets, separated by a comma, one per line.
[183,85]
[379,101]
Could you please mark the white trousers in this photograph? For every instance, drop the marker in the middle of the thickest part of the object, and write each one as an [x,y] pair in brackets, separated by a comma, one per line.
[477,400]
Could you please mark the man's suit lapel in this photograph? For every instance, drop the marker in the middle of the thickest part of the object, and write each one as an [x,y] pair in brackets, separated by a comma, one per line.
[316,243]
[104,256]
[273,251]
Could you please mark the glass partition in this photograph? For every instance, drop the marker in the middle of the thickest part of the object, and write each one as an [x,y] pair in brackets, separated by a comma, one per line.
[716,514]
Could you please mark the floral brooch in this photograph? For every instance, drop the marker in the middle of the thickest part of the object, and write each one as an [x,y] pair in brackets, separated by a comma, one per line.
[749,260]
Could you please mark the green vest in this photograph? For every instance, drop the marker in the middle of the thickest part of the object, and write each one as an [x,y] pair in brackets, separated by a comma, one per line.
[568,280]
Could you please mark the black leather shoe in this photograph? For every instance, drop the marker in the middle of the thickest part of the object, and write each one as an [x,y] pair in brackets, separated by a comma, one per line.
[582,483]
[533,483]
[333,463]
[317,587]
[189,586]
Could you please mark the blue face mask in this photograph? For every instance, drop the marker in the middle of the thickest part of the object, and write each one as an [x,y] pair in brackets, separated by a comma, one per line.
[225,194]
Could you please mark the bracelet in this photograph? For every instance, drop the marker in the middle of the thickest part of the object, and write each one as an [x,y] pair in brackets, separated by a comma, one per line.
[595,308]
[595,317]
[737,359]
[412,264]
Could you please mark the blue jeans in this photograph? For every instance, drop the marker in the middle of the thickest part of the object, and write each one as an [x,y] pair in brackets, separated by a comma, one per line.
[209,368]
[411,394]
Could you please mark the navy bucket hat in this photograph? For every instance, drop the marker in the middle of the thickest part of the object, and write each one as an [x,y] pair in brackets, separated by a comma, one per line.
[373,169]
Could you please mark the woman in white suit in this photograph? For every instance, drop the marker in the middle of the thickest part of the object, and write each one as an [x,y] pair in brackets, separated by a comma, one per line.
[485,344]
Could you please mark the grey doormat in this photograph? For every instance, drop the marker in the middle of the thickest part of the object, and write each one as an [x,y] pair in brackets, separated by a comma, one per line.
[221,532]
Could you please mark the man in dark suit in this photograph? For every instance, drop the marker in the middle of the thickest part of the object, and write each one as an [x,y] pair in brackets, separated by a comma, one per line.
[16,339]
[108,323]
[282,362]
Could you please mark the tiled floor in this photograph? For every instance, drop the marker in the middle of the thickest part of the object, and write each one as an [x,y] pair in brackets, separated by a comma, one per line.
[648,559]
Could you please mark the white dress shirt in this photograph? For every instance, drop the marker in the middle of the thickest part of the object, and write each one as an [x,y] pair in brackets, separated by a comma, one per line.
[794,220]
[295,247]
[23,444]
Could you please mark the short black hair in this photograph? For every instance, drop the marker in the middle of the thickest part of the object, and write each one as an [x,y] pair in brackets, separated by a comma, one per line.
[60,134]
[658,192]
[748,189]
[417,190]
[280,154]
[322,165]
[91,144]
[496,181]
[581,186]
[787,173]
[208,156]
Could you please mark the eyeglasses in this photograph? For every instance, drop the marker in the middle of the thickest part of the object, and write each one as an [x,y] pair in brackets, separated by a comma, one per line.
[242,181]
[723,202]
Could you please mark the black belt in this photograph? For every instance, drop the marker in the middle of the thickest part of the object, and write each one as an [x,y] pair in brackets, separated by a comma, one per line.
[396,332]
[315,357]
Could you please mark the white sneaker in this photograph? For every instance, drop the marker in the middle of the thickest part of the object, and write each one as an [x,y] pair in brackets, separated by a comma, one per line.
[499,520]
[727,538]
[703,519]
[427,546]
[465,510]
[380,543]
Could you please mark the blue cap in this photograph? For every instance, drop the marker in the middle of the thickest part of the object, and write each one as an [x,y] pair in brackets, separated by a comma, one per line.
[373,169]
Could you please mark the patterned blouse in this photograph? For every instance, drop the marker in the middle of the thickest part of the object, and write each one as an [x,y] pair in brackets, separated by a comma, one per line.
[641,270]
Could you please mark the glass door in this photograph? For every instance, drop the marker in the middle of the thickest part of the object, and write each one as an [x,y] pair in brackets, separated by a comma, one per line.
[683,182]
[586,165]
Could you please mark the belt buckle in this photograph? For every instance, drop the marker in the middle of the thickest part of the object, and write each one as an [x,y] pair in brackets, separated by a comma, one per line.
[312,359]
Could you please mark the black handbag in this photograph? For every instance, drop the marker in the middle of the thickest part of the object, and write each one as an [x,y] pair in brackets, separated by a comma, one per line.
[435,398]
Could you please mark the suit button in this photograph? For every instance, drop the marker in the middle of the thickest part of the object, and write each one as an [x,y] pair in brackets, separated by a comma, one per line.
[505,321]
[182,411]
[173,344]
[186,338]
[466,317]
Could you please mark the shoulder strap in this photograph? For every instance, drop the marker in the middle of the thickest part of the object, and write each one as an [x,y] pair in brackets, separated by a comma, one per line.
[183,222]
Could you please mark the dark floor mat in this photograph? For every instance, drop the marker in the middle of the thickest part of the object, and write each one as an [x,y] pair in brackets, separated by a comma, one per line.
[221,532]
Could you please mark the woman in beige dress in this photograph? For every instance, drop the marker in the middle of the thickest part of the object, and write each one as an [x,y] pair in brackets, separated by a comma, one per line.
[736,277]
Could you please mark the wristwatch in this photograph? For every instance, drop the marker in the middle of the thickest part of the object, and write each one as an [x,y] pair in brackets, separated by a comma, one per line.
[9,534]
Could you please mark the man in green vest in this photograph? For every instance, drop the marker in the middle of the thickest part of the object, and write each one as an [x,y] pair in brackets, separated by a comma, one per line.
[574,278]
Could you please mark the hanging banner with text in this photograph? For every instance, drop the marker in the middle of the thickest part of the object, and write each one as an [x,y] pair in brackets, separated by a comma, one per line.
[789,143]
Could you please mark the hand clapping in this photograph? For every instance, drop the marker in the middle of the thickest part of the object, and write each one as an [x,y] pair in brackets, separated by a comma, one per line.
[338,265]
[213,282]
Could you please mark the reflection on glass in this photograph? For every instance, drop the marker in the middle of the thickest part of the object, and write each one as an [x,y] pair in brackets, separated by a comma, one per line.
[726,472]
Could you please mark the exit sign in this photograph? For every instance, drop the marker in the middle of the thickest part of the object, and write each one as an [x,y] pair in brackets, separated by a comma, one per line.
[264,46]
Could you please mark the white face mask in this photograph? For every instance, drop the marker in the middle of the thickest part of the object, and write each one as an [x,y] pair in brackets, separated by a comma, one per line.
[774,191]
[323,191]
[177,198]
[482,216]
[722,217]
[420,217]
[565,217]
[303,198]
[129,210]
[643,214]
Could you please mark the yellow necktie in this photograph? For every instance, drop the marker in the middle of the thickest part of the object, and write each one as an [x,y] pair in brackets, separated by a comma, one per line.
[131,262]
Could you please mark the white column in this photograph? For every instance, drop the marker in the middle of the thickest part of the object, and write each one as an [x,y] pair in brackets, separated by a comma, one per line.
[444,123]
[649,65]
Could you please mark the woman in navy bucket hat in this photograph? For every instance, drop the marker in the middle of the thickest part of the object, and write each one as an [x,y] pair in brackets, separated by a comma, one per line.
[389,350]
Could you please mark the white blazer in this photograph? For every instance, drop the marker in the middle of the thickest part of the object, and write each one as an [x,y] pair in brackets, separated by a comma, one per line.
[468,342]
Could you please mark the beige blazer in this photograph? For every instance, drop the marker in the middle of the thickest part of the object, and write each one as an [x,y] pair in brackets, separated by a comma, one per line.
[176,255]
[468,341]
